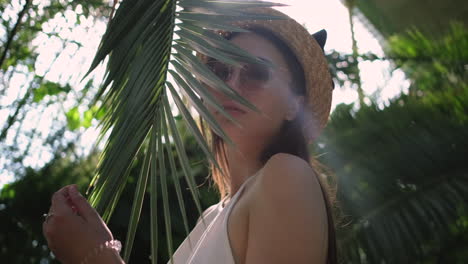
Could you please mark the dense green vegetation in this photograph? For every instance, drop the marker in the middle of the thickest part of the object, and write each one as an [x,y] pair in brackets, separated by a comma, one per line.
[400,169]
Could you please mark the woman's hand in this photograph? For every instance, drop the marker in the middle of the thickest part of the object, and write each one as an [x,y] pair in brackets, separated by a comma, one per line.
[73,228]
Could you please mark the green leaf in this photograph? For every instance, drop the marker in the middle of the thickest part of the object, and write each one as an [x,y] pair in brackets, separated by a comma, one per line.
[138,43]
[49,88]
[73,118]
[220,44]
[126,18]
[87,118]
[137,100]
[201,90]
[202,72]
[196,42]
[223,5]
[175,179]
[137,205]
[193,126]
[215,26]
[98,112]
[197,103]
[163,175]
[220,18]
[154,187]
[182,155]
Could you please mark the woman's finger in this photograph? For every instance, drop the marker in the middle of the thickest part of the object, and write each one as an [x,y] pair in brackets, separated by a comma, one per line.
[59,202]
[62,191]
[82,205]
[59,210]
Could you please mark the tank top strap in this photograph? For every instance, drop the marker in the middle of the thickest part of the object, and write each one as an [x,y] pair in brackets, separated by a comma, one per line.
[238,193]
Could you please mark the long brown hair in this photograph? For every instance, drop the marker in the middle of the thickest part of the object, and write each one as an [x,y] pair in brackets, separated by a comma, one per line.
[290,139]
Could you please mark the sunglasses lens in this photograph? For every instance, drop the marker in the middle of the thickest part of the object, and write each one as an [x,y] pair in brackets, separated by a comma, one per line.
[219,69]
[253,76]
[256,72]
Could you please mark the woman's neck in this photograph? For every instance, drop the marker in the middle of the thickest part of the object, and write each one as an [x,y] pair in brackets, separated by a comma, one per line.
[243,163]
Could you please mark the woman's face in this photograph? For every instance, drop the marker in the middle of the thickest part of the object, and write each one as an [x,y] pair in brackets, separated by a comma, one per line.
[269,91]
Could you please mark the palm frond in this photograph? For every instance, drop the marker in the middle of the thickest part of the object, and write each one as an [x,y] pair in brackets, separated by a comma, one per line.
[137,204]
[402,182]
[395,226]
[144,42]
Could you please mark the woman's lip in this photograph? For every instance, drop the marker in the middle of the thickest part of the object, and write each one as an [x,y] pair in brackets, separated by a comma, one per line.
[233,109]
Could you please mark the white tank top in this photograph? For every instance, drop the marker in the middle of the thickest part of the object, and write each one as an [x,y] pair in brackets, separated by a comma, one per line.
[208,242]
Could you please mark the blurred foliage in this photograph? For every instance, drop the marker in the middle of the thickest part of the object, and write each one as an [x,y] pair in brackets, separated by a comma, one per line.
[344,67]
[49,88]
[36,14]
[23,202]
[402,177]
[26,93]
[432,64]
[149,50]
[394,17]
[401,169]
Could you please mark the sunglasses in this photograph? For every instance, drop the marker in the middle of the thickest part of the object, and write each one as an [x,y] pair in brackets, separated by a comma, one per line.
[251,76]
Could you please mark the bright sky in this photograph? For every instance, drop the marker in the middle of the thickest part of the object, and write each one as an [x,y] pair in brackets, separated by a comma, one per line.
[73,62]
[333,16]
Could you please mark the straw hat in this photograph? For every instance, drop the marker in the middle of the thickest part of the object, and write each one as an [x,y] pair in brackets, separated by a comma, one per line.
[309,52]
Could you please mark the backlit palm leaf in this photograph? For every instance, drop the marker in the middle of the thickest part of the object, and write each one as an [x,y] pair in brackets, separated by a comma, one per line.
[401,228]
[402,182]
[146,40]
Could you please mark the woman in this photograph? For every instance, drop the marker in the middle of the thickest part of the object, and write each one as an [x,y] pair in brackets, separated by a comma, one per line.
[273,208]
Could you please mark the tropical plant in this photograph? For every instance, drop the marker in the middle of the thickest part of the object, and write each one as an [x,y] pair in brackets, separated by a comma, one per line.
[401,170]
[37,38]
[23,202]
[402,176]
[432,64]
[21,236]
[146,43]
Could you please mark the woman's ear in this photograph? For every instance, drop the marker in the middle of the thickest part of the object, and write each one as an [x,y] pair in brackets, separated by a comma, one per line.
[295,106]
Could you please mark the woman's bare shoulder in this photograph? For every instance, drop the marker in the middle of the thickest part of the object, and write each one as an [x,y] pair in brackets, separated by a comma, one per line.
[288,169]
[287,202]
